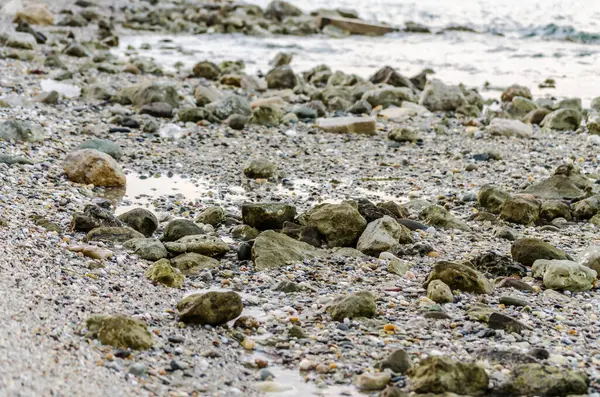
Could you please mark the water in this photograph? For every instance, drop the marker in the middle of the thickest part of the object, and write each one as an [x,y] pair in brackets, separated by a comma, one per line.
[531,49]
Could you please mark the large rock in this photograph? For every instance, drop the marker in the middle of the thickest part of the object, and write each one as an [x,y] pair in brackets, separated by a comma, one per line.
[150,249]
[140,219]
[566,183]
[587,208]
[491,198]
[439,217]
[267,115]
[496,265]
[112,234]
[389,96]
[508,128]
[206,94]
[179,228]
[590,257]
[544,380]
[522,210]
[279,10]
[206,70]
[359,304]
[267,216]
[89,166]
[260,168]
[213,216]
[272,250]
[553,209]
[345,125]
[163,273]
[460,277]
[229,105]
[382,235]
[21,131]
[439,292]
[564,275]
[205,245]
[527,250]
[515,90]
[191,264]
[388,75]
[93,216]
[119,331]
[438,96]
[341,224]
[443,375]
[520,107]
[211,308]
[22,41]
[563,120]
[146,93]
[281,77]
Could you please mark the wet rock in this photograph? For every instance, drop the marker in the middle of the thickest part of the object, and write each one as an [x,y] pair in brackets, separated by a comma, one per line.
[140,219]
[356,305]
[527,250]
[388,75]
[162,272]
[341,224]
[439,292]
[544,380]
[279,10]
[229,105]
[212,308]
[438,96]
[521,210]
[389,96]
[150,249]
[460,277]
[92,217]
[272,250]
[491,198]
[519,107]
[112,234]
[244,232]
[437,216]
[179,228]
[372,381]
[398,362]
[497,265]
[103,145]
[587,208]
[515,90]
[267,216]
[564,275]
[192,264]
[244,252]
[512,301]
[281,77]
[590,257]
[508,128]
[207,70]
[383,235]
[372,212]
[205,245]
[21,131]
[442,375]
[345,125]
[213,216]
[566,183]
[563,120]
[119,331]
[35,14]
[267,115]
[536,116]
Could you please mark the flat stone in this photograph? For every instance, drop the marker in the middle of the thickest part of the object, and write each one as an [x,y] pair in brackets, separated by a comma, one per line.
[343,125]
[355,26]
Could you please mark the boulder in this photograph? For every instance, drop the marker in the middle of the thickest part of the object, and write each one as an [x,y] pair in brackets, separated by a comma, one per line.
[521,210]
[205,245]
[496,265]
[89,166]
[213,216]
[93,216]
[281,77]
[382,235]
[265,216]
[279,10]
[439,292]
[404,134]
[140,219]
[440,375]
[260,168]
[527,250]
[438,96]
[21,131]
[544,380]
[211,308]
[146,93]
[112,234]
[563,120]
[206,94]
[191,264]
[272,250]
[516,90]
[207,70]
[35,14]
[341,224]
[536,116]
[460,277]
[119,331]
[586,208]
[389,76]
[508,128]
[566,183]
[179,228]
[147,248]
[553,209]
[372,381]
[389,96]
[162,272]
[437,216]
[564,275]
[491,198]
[519,107]
[230,105]
[399,362]
[590,257]
[267,115]
[358,304]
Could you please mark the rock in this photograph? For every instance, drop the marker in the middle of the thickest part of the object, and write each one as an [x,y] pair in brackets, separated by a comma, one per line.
[372,212]
[282,59]
[267,115]
[393,391]
[279,10]
[163,273]
[307,234]
[194,115]
[146,93]
[356,305]
[237,122]
[341,224]
[506,323]
[563,120]
[544,380]
[213,216]
[91,251]
[404,134]
[527,250]
[112,234]
[89,166]
[372,381]
[158,109]
[566,183]
[344,125]
[564,275]
[508,128]
[515,90]
[260,168]
[496,265]
[150,249]
[587,208]
[520,107]
[22,41]
[590,257]
[287,286]
[389,96]
[521,210]
[442,375]
[388,75]
[179,228]
[297,332]
[76,50]
[553,209]
[10,160]
[354,26]
[593,123]
[192,264]
[21,131]
[103,145]
[491,198]
[570,103]
[382,235]
[281,77]
[244,232]
[207,70]
[437,216]
[272,250]
[205,245]
[140,219]
[536,116]
[515,283]
[119,331]
[460,277]
[206,94]
[35,14]
[92,217]
[398,362]
[267,216]
[360,107]
[229,105]
[439,292]
[211,308]
[438,96]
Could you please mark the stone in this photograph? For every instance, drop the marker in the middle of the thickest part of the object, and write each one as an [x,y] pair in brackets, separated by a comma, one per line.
[521,210]
[89,166]
[438,96]
[93,216]
[563,120]
[229,105]
[162,272]
[527,250]
[506,323]
[35,14]
[22,41]
[206,70]
[509,128]
[564,275]
[279,10]
[244,232]
[382,235]
[91,251]
[519,107]
[211,308]
[112,234]
[496,265]
[354,26]
[590,257]
[356,305]
[593,123]
[360,107]
[340,224]
[436,374]
[586,208]
[266,216]
[515,90]
[150,249]
[536,116]
[282,59]
[76,50]
[566,183]
[206,94]
[372,381]
[404,134]
[119,331]
[192,264]
[307,234]
[297,332]
[140,219]
[103,145]
[491,198]
[179,228]
[158,109]
[267,115]
[439,292]
[194,115]
[512,301]
[544,380]
[237,122]
[272,250]
[260,168]
[21,131]
[398,362]
[345,125]
[213,216]
[287,286]
[437,216]
[519,285]
[387,75]
[205,245]
[553,209]
[460,277]
[389,96]
[146,93]
[570,103]
[281,77]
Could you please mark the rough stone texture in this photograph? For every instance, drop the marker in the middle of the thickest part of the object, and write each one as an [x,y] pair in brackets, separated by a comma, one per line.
[437,216]
[260,168]
[213,216]
[147,248]
[439,292]
[544,380]
[140,219]
[491,198]
[508,128]
[341,224]
[191,264]
[163,273]
[205,245]
[179,228]
[442,375]
[515,90]
[359,304]
[119,331]
[563,120]
[564,275]
[267,216]
[113,234]
[522,210]
[527,250]
[90,166]
[272,250]
[460,277]
[382,235]
[590,257]
[211,308]
[587,208]
[438,96]
[346,125]
[21,131]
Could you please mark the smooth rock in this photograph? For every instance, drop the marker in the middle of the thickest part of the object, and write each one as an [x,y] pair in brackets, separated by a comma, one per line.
[272,250]
[89,166]
[460,277]
[212,308]
[359,304]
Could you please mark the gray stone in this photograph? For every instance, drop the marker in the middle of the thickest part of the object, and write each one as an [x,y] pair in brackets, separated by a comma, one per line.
[140,219]
[359,304]
[563,120]
[147,248]
[341,224]
[272,250]
[103,145]
[211,308]
[438,96]
[267,216]
[21,131]
[229,105]
[382,235]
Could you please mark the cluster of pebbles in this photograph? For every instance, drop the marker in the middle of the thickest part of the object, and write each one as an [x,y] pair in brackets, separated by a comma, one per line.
[387,235]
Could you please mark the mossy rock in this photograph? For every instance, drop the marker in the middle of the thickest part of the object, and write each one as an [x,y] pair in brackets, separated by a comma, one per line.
[460,277]
[439,217]
[192,264]
[211,308]
[359,304]
[120,331]
[443,375]
[163,273]
[527,250]
[341,224]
